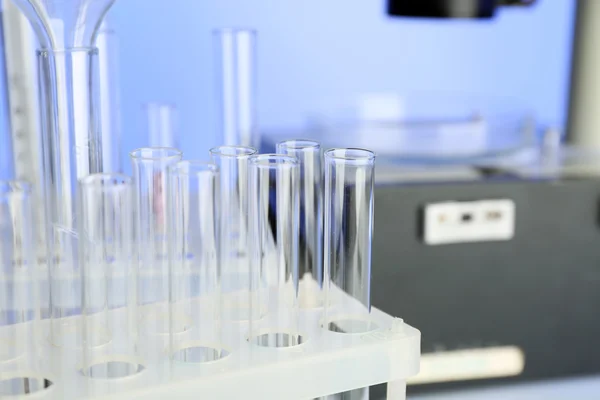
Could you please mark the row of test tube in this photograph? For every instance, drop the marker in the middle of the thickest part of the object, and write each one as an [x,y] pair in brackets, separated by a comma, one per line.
[192,261]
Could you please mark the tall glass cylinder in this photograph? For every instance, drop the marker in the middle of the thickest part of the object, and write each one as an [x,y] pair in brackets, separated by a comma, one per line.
[108,276]
[150,168]
[72,150]
[310,263]
[19,289]
[235,54]
[233,164]
[161,125]
[349,178]
[194,255]
[274,246]
[107,42]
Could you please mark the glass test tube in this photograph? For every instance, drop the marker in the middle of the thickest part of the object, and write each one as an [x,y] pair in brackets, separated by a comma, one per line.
[235,53]
[72,150]
[161,125]
[19,294]
[274,246]
[310,254]
[150,167]
[349,178]
[194,255]
[109,274]
[233,164]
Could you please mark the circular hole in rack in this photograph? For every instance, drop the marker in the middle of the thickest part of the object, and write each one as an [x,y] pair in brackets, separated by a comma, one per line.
[278,339]
[23,385]
[351,326]
[112,369]
[199,354]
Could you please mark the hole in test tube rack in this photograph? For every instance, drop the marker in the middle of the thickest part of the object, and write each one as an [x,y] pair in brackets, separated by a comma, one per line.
[200,354]
[278,339]
[113,369]
[23,385]
[351,326]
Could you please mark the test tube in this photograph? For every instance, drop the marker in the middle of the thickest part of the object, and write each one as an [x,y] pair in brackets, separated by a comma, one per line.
[161,125]
[310,251]
[150,167]
[235,53]
[349,177]
[19,307]
[109,274]
[274,245]
[233,164]
[194,262]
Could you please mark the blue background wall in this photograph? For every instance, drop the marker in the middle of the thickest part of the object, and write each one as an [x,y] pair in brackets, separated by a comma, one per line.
[312,49]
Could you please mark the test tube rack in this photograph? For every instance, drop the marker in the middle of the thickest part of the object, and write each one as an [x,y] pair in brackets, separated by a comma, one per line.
[325,363]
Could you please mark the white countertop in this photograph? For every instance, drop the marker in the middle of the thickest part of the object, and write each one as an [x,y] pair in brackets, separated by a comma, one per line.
[563,389]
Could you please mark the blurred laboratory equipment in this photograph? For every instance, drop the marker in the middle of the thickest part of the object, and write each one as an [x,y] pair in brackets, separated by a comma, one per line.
[273,210]
[195,279]
[6,148]
[310,252]
[235,53]
[162,126]
[107,43]
[109,273]
[150,168]
[234,164]
[23,119]
[71,141]
[20,364]
[425,127]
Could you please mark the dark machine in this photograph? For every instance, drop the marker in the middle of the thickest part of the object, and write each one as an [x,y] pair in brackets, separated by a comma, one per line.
[499,308]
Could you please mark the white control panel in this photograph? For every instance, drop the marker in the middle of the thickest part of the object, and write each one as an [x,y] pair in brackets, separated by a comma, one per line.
[469,221]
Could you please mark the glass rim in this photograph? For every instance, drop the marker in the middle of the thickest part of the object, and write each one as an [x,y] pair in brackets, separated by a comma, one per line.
[171,106]
[169,153]
[116,179]
[281,160]
[193,167]
[16,186]
[234,30]
[353,155]
[65,50]
[299,144]
[234,151]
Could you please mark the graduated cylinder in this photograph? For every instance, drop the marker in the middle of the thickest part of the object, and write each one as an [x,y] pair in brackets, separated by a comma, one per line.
[349,179]
[274,246]
[72,147]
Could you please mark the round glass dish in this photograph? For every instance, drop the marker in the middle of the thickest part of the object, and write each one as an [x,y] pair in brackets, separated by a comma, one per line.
[425,128]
